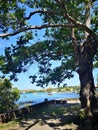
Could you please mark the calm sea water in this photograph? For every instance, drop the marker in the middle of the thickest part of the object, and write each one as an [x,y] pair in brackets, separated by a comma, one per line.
[39,97]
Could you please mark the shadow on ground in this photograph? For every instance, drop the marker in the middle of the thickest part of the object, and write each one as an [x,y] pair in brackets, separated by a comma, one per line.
[52,117]
[56,117]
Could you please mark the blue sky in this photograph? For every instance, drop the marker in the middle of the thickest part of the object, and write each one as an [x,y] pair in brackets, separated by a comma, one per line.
[24,81]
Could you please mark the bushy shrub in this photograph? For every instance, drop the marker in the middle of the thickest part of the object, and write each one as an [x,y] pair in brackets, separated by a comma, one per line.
[8,96]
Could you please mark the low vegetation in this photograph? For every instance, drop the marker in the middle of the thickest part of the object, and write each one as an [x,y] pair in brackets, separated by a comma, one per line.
[9,125]
[8,96]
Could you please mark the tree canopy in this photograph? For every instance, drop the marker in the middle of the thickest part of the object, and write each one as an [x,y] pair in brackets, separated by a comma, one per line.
[66,24]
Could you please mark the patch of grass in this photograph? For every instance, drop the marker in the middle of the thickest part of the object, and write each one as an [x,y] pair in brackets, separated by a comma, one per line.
[74,109]
[11,124]
[50,111]
[55,111]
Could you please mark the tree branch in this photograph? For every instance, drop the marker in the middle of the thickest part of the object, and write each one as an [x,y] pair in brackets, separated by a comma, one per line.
[36,27]
[66,15]
[39,11]
[71,19]
[87,16]
[73,37]
[75,44]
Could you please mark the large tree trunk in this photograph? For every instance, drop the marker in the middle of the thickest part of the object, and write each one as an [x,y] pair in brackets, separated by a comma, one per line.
[87,90]
[85,62]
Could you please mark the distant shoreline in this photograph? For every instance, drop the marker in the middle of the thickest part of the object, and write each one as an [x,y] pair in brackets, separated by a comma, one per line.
[53,89]
[56,101]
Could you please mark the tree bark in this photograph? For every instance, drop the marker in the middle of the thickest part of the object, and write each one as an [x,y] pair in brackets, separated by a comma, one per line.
[85,71]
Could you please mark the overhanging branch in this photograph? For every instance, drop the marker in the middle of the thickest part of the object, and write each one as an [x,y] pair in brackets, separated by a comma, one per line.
[74,23]
[71,19]
[39,11]
[36,27]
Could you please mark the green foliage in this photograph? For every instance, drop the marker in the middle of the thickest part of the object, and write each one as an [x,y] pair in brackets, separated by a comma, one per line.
[8,96]
[82,114]
[96,61]
[9,125]
[57,45]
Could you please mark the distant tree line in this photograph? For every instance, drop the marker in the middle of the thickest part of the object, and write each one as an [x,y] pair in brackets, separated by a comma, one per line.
[51,89]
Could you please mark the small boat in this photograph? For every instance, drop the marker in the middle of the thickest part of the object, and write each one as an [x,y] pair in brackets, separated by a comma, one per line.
[50,93]
[54,92]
